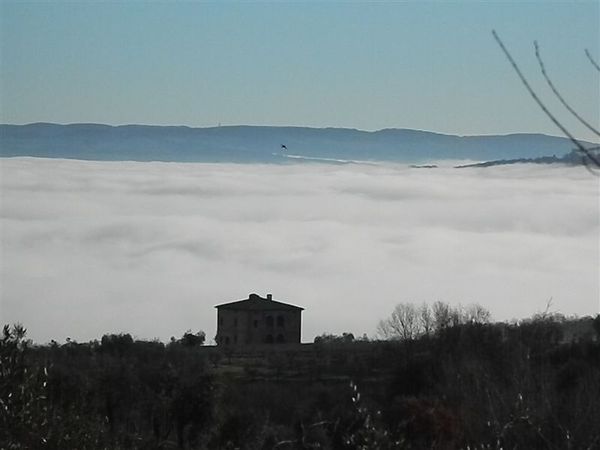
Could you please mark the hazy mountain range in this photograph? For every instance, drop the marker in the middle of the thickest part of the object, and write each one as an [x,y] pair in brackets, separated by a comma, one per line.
[264,144]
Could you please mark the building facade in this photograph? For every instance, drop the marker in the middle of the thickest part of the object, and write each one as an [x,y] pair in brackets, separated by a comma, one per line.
[258,320]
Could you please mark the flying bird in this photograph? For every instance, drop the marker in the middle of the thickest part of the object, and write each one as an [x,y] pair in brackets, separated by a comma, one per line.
[283,147]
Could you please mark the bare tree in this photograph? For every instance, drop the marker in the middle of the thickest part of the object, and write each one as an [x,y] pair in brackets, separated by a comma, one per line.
[408,321]
[558,94]
[476,314]
[589,155]
[403,323]
[441,315]
[426,320]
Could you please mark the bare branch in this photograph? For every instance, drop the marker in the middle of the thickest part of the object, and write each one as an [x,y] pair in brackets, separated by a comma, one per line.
[558,95]
[586,164]
[543,107]
[594,63]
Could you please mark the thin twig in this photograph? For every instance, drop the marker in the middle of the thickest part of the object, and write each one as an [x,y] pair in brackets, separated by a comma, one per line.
[558,95]
[594,63]
[566,132]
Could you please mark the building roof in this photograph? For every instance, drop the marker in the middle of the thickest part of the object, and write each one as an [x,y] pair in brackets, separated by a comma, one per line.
[255,302]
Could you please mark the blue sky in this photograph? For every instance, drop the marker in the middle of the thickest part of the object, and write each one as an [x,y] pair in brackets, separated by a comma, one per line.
[425,65]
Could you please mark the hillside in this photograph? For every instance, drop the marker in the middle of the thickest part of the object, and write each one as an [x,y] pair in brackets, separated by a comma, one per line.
[466,386]
[263,144]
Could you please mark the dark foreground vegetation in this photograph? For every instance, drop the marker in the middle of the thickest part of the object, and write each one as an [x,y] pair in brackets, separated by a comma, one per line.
[465,385]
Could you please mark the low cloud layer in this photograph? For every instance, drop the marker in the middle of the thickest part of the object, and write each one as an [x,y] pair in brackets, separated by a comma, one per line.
[149,248]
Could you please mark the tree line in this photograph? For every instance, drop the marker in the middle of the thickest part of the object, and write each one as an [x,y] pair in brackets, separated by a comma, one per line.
[447,377]
[410,321]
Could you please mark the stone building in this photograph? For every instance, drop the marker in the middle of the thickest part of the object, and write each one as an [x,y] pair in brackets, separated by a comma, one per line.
[258,320]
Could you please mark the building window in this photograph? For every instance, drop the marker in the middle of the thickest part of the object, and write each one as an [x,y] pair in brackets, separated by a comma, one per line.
[256,324]
[280,321]
[220,321]
[280,339]
[235,322]
[269,321]
[235,339]
[269,339]
[227,340]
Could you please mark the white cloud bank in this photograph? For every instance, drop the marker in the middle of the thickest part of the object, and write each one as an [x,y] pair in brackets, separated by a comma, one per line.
[150,248]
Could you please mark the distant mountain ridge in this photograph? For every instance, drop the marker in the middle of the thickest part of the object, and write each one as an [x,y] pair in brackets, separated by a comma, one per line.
[246,143]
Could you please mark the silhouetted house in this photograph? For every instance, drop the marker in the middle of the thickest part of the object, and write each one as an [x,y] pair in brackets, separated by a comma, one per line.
[258,320]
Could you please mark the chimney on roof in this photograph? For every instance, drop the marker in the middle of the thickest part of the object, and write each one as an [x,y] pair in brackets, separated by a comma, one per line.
[269,296]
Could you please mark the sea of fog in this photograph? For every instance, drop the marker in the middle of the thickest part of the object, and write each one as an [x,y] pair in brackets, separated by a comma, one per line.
[89,248]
